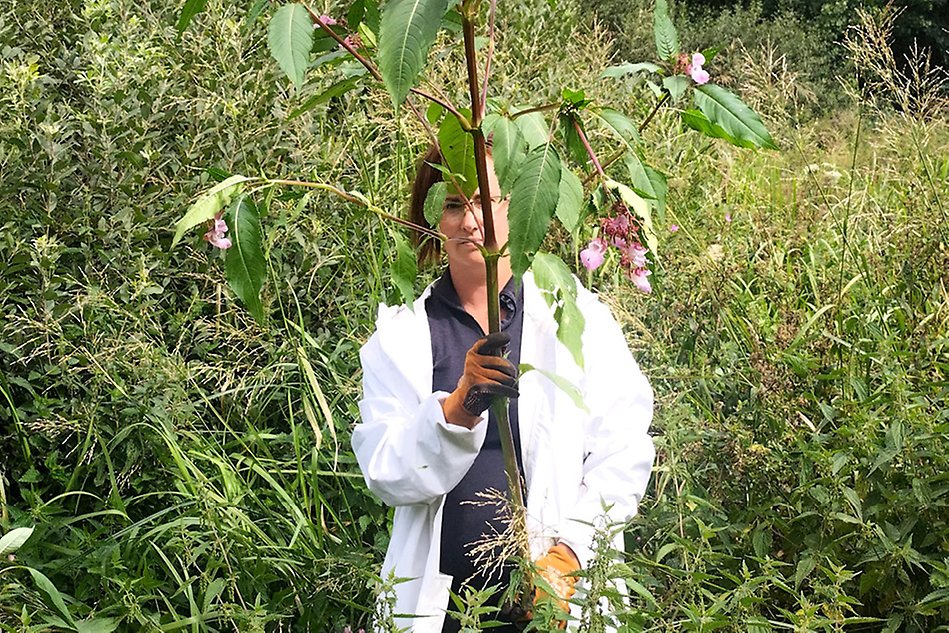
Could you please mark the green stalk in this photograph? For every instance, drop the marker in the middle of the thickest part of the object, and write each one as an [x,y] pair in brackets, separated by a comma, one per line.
[492,253]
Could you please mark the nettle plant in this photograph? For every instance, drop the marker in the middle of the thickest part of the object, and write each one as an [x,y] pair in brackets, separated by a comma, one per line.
[542,154]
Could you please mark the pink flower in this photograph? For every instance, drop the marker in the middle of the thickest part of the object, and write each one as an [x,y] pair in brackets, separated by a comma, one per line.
[673,228]
[728,217]
[695,71]
[616,226]
[638,277]
[592,256]
[326,20]
[637,255]
[215,234]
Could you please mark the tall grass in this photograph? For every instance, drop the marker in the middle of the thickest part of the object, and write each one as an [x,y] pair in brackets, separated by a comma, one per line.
[187,468]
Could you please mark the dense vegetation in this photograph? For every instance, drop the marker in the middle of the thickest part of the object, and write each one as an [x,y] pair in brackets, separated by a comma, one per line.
[185,466]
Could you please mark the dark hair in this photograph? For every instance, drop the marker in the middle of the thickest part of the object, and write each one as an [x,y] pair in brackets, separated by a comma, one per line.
[428,249]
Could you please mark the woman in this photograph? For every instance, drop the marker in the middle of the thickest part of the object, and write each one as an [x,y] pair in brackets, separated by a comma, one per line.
[427,444]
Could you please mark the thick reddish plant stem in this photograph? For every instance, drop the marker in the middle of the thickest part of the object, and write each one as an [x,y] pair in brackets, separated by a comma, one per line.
[586,144]
[480,149]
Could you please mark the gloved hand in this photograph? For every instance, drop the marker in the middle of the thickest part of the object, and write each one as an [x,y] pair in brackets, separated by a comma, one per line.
[486,376]
[555,567]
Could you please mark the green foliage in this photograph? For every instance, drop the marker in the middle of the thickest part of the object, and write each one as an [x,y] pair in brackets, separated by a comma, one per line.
[188,11]
[533,202]
[185,466]
[208,205]
[508,149]
[244,261]
[739,121]
[667,39]
[290,38]
[457,148]
[409,28]
[570,200]
[560,291]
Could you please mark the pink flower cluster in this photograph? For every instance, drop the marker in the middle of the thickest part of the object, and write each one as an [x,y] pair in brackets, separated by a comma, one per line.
[215,234]
[620,233]
[694,69]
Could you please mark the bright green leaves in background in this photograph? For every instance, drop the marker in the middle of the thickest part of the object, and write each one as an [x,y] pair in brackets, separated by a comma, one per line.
[244,262]
[408,30]
[290,38]
[208,205]
[533,202]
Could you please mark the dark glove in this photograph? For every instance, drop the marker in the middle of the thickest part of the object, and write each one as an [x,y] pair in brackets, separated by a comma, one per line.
[486,376]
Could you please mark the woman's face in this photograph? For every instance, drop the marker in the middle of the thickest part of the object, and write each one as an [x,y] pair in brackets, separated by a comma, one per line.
[464,224]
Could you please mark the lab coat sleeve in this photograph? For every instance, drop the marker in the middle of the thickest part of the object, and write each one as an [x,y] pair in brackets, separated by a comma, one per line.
[408,452]
[618,451]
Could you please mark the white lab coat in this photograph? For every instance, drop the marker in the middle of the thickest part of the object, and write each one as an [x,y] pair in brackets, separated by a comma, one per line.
[575,461]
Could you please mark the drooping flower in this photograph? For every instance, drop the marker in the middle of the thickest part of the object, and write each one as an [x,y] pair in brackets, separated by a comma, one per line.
[637,255]
[217,229]
[592,256]
[695,70]
[728,217]
[639,279]
[616,226]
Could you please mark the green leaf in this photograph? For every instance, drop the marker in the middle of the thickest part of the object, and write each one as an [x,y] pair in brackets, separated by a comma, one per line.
[208,204]
[570,200]
[729,112]
[244,263]
[676,85]
[571,138]
[641,208]
[570,324]
[559,288]
[435,203]
[404,269]
[254,12]
[696,120]
[53,597]
[509,148]
[191,9]
[97,625]
[533,128]
[559,381]
[364,12]
[533,202]
[457,148]
[408,30]
[667,40]
[434,112]
[290,38]
[647,180]
[621,70]
[336,90]
[14,540]
[620,125]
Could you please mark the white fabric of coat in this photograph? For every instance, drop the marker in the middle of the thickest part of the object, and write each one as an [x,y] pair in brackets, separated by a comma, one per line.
[576,462]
